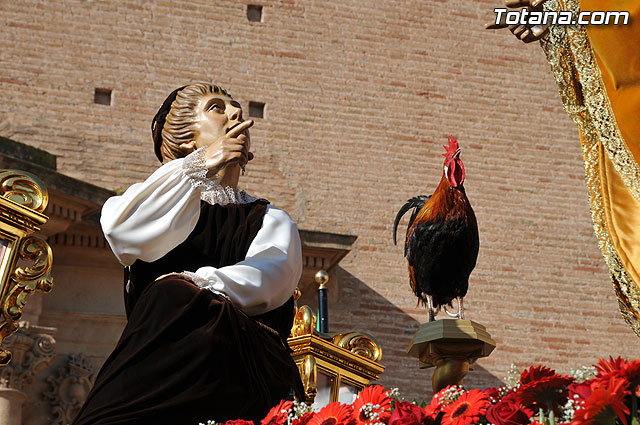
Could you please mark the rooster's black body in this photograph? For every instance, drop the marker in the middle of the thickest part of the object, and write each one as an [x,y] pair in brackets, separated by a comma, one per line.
[442,241]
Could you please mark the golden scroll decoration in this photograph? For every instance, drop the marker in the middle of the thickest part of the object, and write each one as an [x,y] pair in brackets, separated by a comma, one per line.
[351,358]
[23,188]
[23,198]
[359,343]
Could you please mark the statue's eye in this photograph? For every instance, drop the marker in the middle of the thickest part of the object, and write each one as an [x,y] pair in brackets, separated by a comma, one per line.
[216,107]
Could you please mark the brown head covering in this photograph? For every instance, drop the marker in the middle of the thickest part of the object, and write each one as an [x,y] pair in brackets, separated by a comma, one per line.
[158,122]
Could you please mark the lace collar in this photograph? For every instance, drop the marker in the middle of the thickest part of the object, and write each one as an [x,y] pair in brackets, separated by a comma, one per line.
[226,195]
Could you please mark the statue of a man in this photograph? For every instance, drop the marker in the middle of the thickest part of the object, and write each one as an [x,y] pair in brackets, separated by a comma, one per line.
[210,272]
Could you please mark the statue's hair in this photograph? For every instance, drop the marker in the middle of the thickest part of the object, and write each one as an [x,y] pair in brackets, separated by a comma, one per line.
[176,122]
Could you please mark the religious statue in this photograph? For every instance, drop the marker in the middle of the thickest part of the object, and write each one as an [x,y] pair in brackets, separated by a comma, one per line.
[210,272]
[597,73]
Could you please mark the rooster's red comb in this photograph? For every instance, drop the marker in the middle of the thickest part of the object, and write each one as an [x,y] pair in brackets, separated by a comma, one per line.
[452,148]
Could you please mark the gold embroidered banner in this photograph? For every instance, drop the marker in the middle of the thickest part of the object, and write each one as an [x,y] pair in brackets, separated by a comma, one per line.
[597,70]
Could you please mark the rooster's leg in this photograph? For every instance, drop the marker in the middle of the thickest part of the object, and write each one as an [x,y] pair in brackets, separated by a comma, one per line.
[460,308]
[432,314]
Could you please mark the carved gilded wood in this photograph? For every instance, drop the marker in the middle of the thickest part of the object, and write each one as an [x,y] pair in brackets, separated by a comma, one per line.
[351,358]
[23,198]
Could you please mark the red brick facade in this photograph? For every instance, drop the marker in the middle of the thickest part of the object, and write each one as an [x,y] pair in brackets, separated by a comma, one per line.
[359,96]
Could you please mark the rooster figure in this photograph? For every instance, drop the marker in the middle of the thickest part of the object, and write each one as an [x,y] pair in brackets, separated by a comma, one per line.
[442,239]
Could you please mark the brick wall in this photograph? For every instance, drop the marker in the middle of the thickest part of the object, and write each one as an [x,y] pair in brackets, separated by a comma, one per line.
[359,95]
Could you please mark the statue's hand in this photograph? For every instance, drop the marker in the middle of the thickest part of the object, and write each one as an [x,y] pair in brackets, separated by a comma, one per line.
[232,148]
[526,33]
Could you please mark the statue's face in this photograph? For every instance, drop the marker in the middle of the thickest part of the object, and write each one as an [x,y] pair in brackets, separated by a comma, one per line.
[216,114]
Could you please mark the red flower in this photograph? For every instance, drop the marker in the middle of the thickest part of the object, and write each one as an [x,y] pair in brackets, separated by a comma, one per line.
[467,409]
[238,422]
[492,393]
[632,371]
[445,397]
[619,368]
[535,373]
[582,390]
[409,414]
[278,415]
[612,367]
[372,405]
[304,419]
[333,414]
[507,412]
[431,411]
[605,403]
[511,397]
[548,392]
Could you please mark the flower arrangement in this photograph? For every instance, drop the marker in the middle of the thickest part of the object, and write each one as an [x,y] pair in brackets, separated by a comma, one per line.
[606,395]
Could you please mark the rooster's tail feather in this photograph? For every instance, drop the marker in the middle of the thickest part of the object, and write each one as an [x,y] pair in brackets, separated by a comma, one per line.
[416,202]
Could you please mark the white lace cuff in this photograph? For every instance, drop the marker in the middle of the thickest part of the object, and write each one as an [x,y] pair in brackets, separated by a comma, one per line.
[211,192]
[203,283]
[195,170]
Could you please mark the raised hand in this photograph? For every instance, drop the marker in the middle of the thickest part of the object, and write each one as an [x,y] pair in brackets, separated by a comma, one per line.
[524,32]
[232,148]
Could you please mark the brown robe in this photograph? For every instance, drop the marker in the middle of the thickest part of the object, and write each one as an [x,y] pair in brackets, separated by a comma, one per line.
[188,355]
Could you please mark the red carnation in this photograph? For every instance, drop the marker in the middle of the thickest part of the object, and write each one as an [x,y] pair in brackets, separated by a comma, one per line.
[508,412]
[409,414]
[372,406]
[333,414]
[278,415]
[605,404]
[467,409]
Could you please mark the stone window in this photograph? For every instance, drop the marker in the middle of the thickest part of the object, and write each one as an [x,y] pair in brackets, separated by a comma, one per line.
[256,109]
[102,96]
[254,13]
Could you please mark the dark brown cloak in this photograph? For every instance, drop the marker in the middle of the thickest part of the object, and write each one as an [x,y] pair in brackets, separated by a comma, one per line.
[188,355]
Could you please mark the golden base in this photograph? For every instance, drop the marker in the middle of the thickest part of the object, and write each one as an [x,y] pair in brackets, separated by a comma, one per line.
[452,346]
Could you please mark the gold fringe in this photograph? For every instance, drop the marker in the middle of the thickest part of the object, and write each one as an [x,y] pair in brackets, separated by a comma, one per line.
[599,107]
[585,100]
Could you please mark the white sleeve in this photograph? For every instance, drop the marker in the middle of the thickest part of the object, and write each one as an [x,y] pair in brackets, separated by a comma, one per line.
[268,275]
[151,218]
